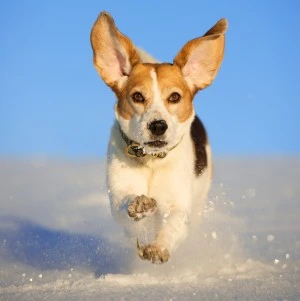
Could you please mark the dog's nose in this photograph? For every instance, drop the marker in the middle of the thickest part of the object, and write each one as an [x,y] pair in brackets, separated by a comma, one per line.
[158,127]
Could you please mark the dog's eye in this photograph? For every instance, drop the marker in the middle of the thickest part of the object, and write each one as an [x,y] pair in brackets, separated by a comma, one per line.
[174,97]
[138,97]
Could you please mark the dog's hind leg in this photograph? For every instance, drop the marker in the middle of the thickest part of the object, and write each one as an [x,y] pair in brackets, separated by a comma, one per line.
[174,206]
[172,232]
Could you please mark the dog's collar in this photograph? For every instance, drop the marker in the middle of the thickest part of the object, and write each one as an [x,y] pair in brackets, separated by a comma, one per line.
[134,149]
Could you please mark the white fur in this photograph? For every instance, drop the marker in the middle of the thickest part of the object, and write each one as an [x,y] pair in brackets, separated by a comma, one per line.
[170,181]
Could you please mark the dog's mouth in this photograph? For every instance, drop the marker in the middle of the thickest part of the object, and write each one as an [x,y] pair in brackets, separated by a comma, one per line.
[157,143]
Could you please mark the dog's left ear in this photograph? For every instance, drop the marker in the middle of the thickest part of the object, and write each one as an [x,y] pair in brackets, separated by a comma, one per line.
[201,58]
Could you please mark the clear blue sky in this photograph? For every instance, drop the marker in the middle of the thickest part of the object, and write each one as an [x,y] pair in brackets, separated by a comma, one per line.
[53,103]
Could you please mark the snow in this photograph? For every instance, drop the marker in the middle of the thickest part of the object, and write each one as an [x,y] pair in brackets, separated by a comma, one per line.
[58,240]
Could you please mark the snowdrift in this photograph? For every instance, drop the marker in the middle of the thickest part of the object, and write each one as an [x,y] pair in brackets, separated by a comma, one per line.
[58,240]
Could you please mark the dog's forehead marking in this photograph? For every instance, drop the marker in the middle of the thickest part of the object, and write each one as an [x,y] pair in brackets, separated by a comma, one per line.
[157,103]
[155,89]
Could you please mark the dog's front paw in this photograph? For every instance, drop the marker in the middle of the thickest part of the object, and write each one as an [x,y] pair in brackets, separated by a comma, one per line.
[141,206]
[154,253]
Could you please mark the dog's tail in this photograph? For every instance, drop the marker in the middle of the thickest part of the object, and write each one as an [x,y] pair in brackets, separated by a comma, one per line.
[145,56]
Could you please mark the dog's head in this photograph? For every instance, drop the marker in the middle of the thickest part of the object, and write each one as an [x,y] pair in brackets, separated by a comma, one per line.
[155,100]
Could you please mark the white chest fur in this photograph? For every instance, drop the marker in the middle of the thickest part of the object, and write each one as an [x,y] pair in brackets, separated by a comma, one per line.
[171,181]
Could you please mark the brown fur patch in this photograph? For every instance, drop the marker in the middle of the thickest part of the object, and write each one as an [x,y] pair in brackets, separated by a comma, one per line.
[169,79]
[138,81]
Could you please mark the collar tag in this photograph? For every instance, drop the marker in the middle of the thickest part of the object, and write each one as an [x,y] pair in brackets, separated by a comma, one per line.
[135,150]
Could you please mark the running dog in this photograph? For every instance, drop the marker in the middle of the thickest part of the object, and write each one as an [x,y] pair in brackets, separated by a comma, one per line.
[159,164]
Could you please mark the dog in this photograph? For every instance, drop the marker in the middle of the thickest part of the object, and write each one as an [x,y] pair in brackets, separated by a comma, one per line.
[159,162]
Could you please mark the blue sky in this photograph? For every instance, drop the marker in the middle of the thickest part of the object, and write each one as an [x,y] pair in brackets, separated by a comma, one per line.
[53,103]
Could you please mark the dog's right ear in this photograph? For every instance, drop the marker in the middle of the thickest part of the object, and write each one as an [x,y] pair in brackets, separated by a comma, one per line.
[114,53]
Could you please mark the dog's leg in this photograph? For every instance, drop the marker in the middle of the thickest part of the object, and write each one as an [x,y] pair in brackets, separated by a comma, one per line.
[174,201]
[173,231]
[128,189]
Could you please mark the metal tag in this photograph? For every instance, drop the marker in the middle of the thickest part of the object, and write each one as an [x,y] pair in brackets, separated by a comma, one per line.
[135,150]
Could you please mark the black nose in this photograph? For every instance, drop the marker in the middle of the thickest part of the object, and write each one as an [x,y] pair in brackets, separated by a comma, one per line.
[158,127]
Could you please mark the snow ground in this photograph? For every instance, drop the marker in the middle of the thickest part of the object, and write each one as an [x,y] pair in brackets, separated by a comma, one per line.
[59,242]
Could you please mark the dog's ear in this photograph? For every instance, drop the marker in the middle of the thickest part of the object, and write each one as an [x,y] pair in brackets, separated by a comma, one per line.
[200,59]
[114,53]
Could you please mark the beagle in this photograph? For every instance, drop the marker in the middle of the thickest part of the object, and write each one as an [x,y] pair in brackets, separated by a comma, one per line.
[159,163]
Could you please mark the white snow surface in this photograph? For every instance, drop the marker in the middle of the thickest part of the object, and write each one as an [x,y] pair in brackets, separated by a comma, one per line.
[58,240]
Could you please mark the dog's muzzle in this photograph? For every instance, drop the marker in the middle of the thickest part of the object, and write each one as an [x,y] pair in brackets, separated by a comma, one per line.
[136,150]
